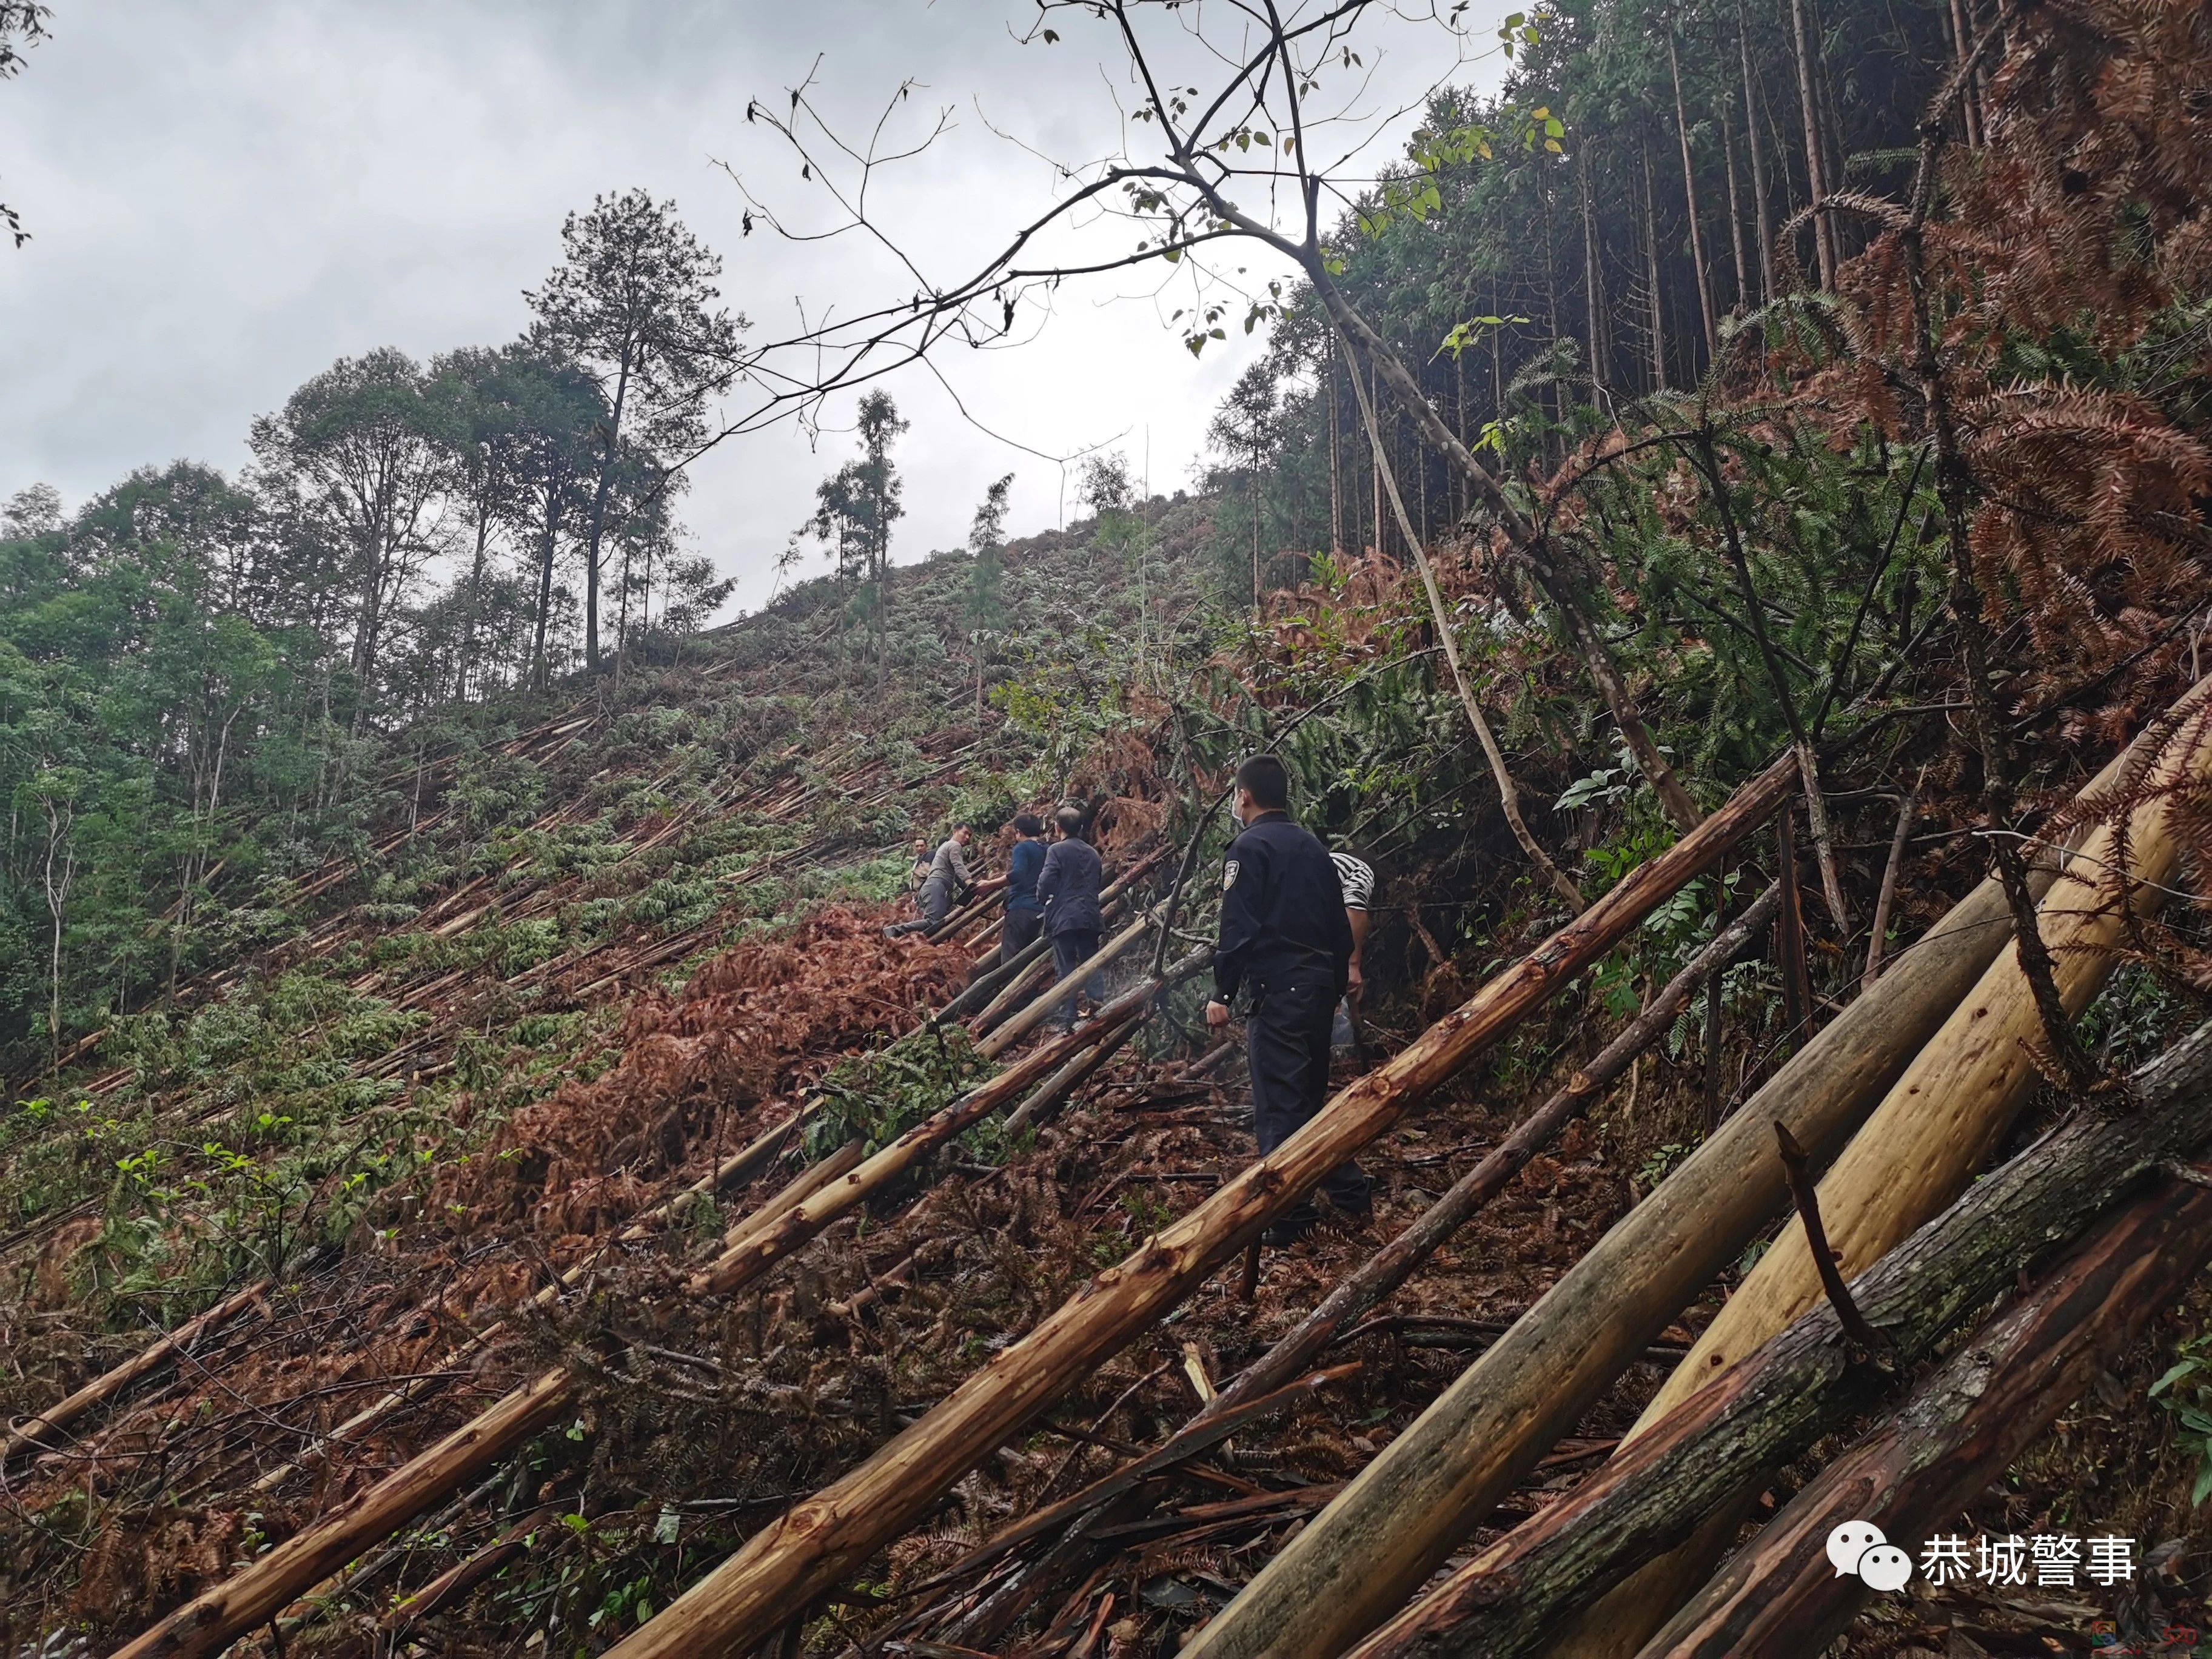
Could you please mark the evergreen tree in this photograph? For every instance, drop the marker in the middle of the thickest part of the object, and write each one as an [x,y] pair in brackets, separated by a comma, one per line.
[634,300]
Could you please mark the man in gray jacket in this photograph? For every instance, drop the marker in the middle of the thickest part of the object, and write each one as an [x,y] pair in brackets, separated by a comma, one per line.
[947,884]
[1067,887]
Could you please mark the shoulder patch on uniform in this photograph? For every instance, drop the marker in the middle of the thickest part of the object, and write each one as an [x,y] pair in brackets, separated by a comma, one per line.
[1229,875]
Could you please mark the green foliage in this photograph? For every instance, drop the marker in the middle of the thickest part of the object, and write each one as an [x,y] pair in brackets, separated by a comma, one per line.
[2186,1391]
[876,1097]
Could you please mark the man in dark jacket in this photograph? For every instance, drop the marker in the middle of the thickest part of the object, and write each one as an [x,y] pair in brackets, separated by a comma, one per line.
[1067,889]
[1284,942]
[1024,910]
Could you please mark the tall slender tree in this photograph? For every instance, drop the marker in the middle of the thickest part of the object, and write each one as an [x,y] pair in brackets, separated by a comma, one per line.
[633,300]
[985,609]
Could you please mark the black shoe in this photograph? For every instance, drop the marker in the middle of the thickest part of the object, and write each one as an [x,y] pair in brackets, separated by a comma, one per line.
[1291,1230]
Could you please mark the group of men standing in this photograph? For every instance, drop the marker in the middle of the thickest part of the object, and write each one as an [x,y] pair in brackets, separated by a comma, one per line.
[1051,888]
[1293,932]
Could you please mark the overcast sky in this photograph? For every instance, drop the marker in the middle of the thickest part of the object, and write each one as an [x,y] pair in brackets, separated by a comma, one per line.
[226,196]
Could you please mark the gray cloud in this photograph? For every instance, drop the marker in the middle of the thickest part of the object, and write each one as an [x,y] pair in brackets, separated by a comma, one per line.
[226,196]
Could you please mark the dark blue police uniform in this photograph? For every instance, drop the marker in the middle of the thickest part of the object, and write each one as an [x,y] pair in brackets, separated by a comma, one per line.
[1285,941]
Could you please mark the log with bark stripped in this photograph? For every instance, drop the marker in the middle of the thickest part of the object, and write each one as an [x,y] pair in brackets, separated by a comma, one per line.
[786,1565]
[1356,1562]
[1809,1378]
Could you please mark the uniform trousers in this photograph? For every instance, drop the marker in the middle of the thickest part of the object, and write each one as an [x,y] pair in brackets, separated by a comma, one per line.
[1287,1045]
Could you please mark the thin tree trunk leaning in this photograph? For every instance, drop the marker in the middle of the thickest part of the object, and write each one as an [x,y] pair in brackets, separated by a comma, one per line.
[1397,1261]
[1959,1432]
[1906,811]
[1806,1378]
[1601,341]
[1509,794]
[1824,236]
[1356,1562]
[1543,557]
[812,1548]
[1040,1010]
[1743,278]
[1918,1152]
[217,1617]
[38,1433]
[1762,208]
[1690,195]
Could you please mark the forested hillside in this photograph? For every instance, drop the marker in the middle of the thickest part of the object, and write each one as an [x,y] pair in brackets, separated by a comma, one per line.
[1720,526]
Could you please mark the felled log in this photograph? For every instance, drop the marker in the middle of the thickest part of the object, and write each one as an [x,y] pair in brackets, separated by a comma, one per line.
[783,1567]
[760,1248]
[1396,1261]
[1959,1431]
[741,1165]
[41,1432]
[220,1615]
[1356,1562]
[1392,1265]
[996,988]
[1809,1378]
[1021,1024]
[1921,1145]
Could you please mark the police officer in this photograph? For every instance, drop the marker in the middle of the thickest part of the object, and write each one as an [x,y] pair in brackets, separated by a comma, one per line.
[1286,942]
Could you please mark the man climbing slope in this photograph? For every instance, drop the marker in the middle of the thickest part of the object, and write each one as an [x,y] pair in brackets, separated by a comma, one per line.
[1286,942]
[1024,910]
[949,883]
[1067,889]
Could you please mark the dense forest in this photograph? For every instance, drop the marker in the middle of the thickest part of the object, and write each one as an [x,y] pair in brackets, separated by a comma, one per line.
[478,1177]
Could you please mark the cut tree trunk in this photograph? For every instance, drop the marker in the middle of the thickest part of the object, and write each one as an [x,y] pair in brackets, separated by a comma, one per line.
[1919,1150]
[1959,1431]
[1040,1011]
[1356,1562]
[211,1620]
[1808,1377]
[42,1431]
[782,1568]
[1396,1261]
